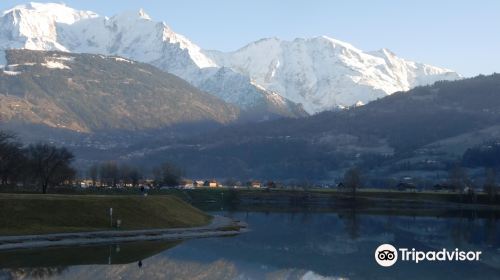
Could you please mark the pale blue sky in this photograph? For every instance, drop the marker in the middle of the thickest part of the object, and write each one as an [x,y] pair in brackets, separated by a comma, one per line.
[460,35]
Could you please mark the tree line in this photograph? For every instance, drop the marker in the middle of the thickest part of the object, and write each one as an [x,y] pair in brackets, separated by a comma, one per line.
[114,174]
[38,166]
[41,166]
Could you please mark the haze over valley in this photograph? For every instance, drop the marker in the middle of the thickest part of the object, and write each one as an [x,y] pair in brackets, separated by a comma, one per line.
[129,87]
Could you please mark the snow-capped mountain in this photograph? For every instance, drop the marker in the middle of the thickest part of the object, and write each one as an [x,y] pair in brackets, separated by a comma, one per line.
[320,73]
[236,88]
[37,26]
[323,73]
[136,36]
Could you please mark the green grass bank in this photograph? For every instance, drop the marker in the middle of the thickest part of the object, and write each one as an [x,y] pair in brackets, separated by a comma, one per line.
[23,214]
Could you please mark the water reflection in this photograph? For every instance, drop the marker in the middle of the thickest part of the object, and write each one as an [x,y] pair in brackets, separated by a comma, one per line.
[83,255]
[300,244]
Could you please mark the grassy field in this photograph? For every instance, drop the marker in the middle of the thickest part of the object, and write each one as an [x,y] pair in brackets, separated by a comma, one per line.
[34,213]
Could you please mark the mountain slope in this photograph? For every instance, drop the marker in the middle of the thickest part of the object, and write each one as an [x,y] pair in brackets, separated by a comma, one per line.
[323,73]
[132,35]
[405,133]
[251,98]
[320,73]
[84,92]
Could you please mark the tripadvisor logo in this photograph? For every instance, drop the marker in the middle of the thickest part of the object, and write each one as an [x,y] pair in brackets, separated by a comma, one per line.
[387,255]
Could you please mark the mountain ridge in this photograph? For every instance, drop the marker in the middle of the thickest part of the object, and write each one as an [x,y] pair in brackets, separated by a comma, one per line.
[90,92]
[320,73]
[418,134]
[323,73]
[133,35]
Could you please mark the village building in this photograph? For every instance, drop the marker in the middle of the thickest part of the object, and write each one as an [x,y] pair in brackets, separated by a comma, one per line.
[211,183]
[198,183]
[255,184]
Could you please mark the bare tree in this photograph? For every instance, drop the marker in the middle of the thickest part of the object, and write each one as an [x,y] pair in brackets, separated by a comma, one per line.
[458,178]
[352,180]
[94,173]
[134,176]
[49,165]
[130,174]
[109,173]
[490,183]
[167,174]
[12,158]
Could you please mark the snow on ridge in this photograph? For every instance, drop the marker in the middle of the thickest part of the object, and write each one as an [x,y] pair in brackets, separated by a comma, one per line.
[11,73]
[54,64]
[320,73]
[58,12]
[121,59]
[51,26]
[323,73]
[63,57]
[130,35]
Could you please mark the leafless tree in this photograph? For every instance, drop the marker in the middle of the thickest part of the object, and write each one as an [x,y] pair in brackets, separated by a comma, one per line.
[94,173]
[109,173]
[458,178]
[49,165]
[490,183]
[352,180]
[12,159]
[167,174]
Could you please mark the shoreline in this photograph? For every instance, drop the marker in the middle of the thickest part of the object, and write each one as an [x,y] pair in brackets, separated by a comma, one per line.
[219,226]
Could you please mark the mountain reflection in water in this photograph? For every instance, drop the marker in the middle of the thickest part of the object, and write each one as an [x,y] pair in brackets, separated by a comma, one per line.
[291,245]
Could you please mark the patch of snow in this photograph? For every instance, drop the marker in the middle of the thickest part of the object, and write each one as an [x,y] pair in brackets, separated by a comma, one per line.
[55,65]
[121,59]
[64,58]
[359,104]
[11,67]
[11,73]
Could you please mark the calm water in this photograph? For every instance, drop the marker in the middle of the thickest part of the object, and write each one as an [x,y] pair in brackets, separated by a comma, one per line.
[284,245]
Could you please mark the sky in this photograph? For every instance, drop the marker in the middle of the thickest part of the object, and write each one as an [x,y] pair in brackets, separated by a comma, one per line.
[460,35]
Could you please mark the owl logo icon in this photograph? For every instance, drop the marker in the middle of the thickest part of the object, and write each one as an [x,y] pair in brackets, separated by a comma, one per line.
[386,255]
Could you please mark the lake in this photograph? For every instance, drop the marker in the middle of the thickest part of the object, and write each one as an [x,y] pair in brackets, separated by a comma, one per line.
[284,244]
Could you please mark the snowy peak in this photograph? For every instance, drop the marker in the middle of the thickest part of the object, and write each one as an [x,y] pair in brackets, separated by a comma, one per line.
[136,36]
[143,15]
[133,34]
[323,73]
[59,13]
[34,25]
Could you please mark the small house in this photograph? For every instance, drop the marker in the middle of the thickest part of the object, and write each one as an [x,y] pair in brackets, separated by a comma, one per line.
[255,184]
[211,184]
